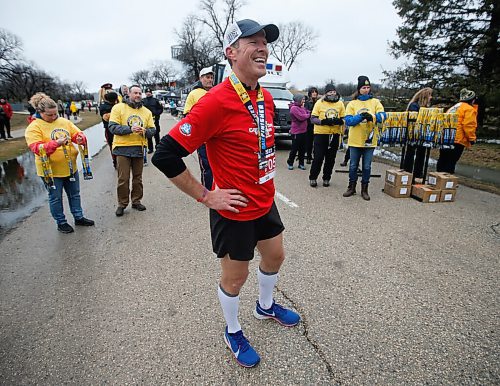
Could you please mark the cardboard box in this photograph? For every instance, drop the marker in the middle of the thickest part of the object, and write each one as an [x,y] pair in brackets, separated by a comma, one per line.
[448,195]
[442,180]
[397,177]
[425,193]
[397,191]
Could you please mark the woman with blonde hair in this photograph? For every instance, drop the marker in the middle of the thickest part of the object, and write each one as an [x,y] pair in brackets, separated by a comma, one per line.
[51,137]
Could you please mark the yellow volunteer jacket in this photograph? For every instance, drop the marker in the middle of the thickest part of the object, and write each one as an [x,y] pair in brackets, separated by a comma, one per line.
[40,130]
[125,115]
[467,123]
[323,109]
[73,107]
[193,97]
[359,133]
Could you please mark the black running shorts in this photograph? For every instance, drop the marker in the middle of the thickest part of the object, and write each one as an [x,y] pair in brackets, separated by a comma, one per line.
[239,238]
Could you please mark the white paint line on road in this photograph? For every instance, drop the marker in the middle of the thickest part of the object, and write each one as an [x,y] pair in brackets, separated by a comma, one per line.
[286,200]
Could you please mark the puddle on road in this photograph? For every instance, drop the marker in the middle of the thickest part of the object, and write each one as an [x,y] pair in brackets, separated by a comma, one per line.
[22,191]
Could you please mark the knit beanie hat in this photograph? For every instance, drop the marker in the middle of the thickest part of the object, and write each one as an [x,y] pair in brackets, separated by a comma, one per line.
[329,87]
[363,81]
[467,95]
[297,98]
[111,97]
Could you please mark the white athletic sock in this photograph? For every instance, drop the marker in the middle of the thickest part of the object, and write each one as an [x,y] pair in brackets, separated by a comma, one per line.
[267,281]
[230,305]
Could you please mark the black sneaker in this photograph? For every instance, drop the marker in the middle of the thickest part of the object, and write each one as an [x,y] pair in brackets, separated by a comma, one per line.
[139,207]
[326,183]
[119,211]
[313,183]
[65,228]
[84,222]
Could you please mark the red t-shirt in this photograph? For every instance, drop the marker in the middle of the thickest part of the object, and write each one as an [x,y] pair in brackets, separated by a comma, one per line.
[222,121]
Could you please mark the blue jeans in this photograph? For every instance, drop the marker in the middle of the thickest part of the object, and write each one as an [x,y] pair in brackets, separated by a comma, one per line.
[356,153]
[72,189]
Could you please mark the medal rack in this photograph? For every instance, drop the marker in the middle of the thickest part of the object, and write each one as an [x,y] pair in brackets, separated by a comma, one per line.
[429,127]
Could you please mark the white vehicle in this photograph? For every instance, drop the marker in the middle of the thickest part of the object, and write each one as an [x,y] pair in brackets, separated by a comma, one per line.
[160,94]
[275,82]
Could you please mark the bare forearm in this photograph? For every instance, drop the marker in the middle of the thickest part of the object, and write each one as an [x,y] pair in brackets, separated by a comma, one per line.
[189,184]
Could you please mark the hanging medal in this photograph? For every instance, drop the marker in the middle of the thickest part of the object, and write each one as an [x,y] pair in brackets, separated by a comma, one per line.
[266,156]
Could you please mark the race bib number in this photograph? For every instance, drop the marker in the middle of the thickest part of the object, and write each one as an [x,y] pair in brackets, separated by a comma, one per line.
[267,166]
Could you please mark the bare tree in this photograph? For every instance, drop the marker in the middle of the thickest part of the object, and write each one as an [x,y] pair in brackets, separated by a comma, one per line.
[10,49]
[163,72]
[142,78]
[198,50]
[216,20]
[79,87]
[295,39]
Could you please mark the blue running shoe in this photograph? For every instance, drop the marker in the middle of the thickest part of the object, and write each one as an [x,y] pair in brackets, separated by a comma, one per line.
[244,353]
[290,167]
[282,315]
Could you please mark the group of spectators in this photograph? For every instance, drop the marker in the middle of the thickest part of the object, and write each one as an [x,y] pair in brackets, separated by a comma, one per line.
[319,124]
[233,122]
[317,129]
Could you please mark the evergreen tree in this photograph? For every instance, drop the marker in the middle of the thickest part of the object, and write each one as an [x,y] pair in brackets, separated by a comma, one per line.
[450,44]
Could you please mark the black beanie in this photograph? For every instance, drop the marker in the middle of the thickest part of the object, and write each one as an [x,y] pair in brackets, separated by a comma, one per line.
[363,81]
[329,87]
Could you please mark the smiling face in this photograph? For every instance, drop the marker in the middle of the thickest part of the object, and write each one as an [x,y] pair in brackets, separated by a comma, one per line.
[135,94]
[249,56]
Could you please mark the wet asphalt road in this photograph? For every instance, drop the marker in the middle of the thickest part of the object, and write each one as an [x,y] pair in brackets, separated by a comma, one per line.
[391,291]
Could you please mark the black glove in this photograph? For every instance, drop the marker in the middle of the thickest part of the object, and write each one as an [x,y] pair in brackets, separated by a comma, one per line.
[327,122]
[338,121]
[367,116]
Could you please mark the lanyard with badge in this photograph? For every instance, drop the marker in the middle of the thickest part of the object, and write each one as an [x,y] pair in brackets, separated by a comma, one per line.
[266,156]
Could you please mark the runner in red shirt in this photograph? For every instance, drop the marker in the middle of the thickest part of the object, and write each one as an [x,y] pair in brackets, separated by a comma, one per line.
[235,120]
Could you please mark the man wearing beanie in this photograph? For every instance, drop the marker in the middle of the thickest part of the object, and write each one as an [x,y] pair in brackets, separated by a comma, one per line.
[299,116]
[327,117]
[235,120]
[362,114]
[466,132]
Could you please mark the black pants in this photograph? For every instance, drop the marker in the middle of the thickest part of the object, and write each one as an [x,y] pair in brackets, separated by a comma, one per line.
[298,145]
[309,141]
[157,134]
[325,148]
[414,160]
[109,139]
[448,159]
[207,177]
[4,124]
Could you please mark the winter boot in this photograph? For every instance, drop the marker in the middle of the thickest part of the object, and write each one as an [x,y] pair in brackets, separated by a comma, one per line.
[364,192]
[351,189]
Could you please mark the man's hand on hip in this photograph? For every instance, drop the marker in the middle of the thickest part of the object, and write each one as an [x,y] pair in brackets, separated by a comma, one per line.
[225,199]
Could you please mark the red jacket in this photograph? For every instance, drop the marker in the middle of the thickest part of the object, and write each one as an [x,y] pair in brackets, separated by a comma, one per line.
[7,108]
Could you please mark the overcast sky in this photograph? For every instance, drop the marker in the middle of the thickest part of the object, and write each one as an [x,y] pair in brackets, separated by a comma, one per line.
[106,41]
